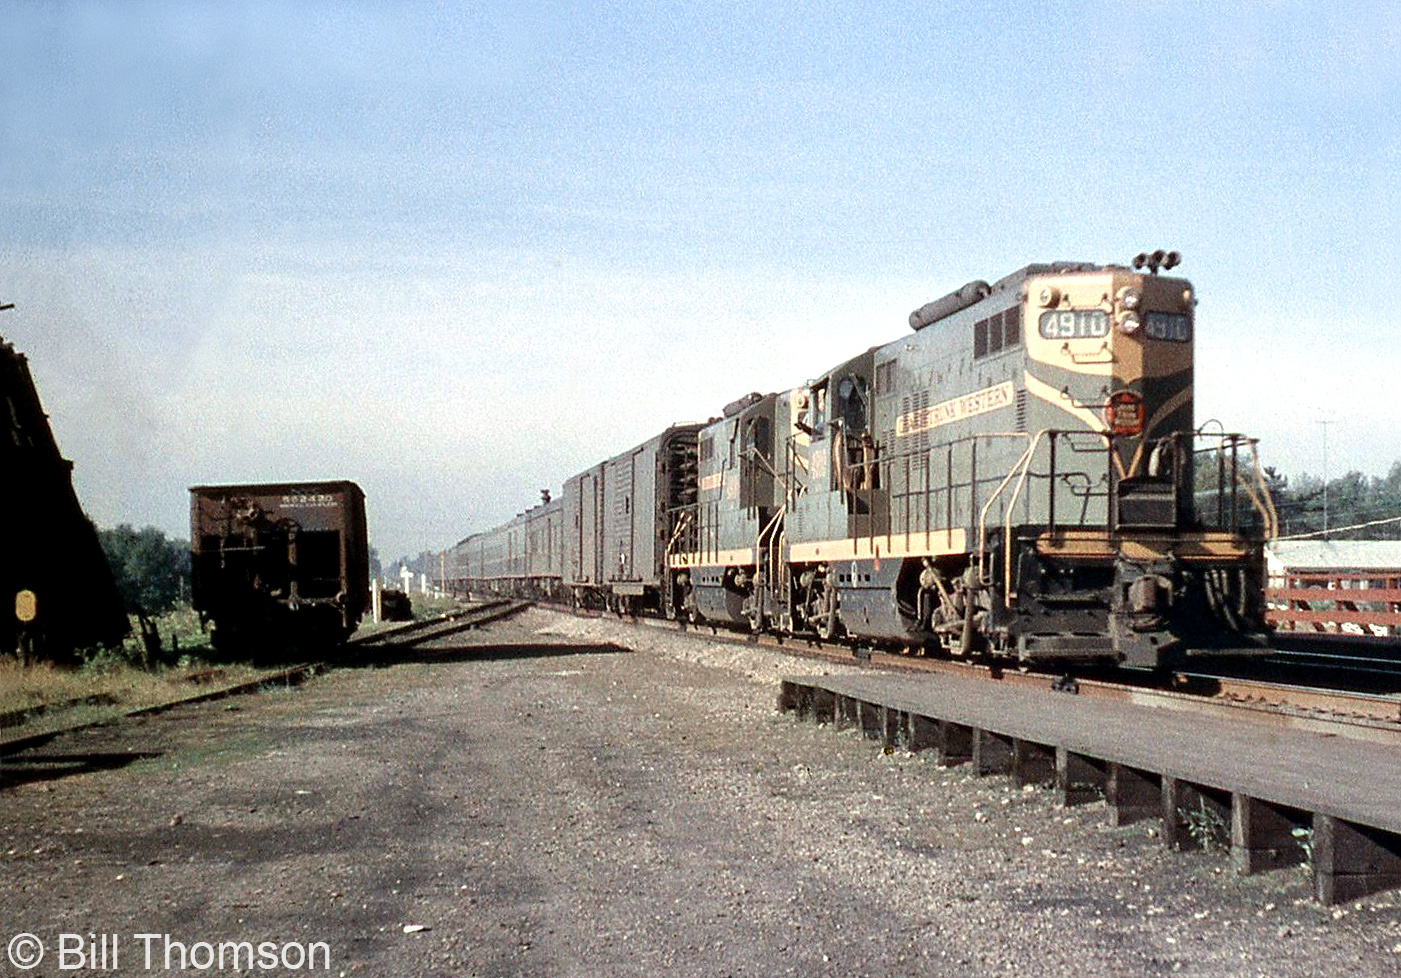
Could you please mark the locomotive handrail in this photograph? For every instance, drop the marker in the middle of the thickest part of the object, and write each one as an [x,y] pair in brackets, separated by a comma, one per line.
[1078,359]
[758,456]
[1025,465]
[1268,508]
[1022,463]
[771,528]
[683,518]
[1010,489]
[1252,482]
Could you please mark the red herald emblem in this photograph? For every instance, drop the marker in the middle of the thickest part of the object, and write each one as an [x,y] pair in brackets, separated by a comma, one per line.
[1124,413]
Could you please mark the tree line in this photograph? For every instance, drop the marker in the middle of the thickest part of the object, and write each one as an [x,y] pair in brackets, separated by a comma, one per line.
[1355,506]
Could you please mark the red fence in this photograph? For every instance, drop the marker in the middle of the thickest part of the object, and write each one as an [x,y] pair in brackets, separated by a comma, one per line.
[1355,602]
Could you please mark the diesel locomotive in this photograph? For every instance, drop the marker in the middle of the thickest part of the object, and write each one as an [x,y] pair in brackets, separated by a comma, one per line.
[1020,476]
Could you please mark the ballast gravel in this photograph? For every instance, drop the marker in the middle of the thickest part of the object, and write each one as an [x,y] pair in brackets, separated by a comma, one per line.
[562,796]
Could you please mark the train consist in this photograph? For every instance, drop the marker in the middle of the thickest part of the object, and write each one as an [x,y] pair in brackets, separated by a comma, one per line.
[279,566]
[58,590]
[1020,476]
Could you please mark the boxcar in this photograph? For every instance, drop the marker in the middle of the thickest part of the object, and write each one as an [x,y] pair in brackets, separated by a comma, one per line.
[619,518]
[279,566]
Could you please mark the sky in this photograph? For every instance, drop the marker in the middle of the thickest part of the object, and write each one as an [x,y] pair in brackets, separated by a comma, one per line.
[458,252]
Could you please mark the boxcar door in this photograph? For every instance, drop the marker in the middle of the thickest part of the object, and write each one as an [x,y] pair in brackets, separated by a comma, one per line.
[590,555]
[620,552]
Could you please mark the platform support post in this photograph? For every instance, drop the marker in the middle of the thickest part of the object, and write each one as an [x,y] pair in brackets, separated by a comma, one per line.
[1263,836]
[892,727]
[824,705]
[923,733]
[845,712]
[1132,795]
[1350,861]
[1194,818]
[1079,779]
[992,753]
[794,698]
[955,743]
[872,719]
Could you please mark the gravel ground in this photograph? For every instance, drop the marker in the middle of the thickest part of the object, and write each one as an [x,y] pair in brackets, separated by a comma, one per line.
[582,797]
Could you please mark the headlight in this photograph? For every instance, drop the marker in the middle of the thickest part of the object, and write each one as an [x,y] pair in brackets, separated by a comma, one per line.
[1050,296]
[1130,299]
[1129,324]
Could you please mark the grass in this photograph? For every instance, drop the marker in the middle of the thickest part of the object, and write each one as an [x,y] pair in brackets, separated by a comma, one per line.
[427,606]
[109,681]
[118,679]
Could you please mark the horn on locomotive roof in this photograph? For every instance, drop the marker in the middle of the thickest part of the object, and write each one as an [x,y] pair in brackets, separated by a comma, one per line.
[1167,260]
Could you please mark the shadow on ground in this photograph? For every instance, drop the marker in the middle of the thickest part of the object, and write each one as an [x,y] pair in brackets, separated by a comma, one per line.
[30,768]
[460,652]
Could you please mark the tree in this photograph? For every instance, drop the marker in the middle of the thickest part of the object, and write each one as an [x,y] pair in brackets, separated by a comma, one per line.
[152,573]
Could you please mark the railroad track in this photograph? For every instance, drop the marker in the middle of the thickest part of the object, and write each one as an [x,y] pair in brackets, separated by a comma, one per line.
[290,676]
[374,645]
[415,634]
[1246,689]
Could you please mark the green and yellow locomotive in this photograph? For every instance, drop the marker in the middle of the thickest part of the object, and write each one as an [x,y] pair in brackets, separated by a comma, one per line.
[1020,476]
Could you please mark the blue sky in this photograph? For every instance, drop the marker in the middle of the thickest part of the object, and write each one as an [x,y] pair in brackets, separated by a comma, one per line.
[457,252]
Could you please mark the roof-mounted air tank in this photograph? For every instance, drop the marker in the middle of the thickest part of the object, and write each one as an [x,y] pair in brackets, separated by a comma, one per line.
[934,311]
[739,404]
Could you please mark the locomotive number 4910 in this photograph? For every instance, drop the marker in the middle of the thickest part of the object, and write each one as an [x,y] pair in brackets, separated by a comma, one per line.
[1075,324]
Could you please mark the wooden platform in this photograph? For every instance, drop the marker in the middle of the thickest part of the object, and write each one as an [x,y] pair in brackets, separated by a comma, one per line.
[1277,797]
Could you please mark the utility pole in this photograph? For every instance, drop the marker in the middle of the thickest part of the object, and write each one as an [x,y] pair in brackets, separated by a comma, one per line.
[1325,423]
